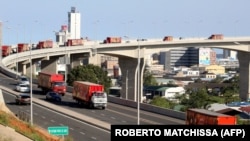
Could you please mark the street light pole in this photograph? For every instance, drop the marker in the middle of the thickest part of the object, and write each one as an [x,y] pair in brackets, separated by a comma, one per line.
[65,61]
[1,41]
[17,62]
[127,85]
[31,97]
[65,73]
[138,84]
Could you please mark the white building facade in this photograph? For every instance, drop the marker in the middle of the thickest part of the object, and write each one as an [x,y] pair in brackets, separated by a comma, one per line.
[74,23]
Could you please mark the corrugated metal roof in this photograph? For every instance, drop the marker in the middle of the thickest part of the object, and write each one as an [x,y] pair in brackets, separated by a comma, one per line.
[245,109]
[207,112]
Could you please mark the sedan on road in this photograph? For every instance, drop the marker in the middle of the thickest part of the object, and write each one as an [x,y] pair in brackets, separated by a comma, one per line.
[23,88]
[22,99]
[23,80]
[53,96]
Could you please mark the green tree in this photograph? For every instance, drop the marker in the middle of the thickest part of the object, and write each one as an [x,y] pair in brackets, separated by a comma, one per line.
[229,96]
[89,73]
[198,99]
[162,102]
[148,79]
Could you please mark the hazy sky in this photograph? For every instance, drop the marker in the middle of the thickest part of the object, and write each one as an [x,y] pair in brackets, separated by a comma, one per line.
[34,20]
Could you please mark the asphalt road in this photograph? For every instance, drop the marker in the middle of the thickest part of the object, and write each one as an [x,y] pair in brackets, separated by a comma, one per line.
[46,118]
[113,114]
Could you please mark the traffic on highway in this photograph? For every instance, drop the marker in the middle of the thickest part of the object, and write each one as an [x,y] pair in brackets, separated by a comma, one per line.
[86,128]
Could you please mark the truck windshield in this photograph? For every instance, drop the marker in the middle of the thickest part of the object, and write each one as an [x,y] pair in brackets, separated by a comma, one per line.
[59,84]
[100,94]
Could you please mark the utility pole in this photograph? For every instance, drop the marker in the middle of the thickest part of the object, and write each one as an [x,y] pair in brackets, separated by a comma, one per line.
[127,85]
[138,84]
[1,41]
[31,94]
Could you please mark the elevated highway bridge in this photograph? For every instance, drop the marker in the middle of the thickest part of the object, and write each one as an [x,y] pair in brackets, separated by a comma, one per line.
[131,54]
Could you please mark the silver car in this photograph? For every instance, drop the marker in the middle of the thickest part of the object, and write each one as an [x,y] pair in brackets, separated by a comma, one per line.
[23,88]
[23,80]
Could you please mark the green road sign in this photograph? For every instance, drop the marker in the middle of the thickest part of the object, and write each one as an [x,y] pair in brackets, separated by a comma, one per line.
[59,130]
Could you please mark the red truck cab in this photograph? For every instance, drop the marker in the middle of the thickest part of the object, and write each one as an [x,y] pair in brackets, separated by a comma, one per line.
[51,82]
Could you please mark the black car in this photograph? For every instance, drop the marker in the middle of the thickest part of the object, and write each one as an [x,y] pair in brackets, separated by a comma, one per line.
[22,99]
[53,96]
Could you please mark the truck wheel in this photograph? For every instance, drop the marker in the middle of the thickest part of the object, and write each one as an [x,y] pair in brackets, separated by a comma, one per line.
[91,105]
[78,102]
[103,108]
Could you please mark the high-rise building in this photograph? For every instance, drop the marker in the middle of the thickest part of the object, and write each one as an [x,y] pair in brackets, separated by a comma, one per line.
[179,57]
[187,57]
[229,54]
[62,35]
[74,24]
[207,56]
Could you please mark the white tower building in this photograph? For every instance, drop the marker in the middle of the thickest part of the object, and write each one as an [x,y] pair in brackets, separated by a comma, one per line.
[74,24]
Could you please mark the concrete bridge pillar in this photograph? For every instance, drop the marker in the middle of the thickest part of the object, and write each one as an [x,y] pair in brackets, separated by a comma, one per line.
[50,65]
[28,71]
[24,69]
[19,68]
[130,78]
[77,59]
[244,62]
[84,59]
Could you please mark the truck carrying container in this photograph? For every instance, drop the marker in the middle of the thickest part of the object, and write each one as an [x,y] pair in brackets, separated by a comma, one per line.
[89,94]
[75,42]
[21,47]
[206,117]
[112,40]
[216,36]
[6,50]
[168,38]
[51,82]
[45,44]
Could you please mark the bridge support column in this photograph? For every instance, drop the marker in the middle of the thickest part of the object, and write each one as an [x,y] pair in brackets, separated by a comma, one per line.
[28,73]
[130,78]
[24,69]
[244,74]
[19,68]
[50,65]
[95,60]
[77,59]
[84,59]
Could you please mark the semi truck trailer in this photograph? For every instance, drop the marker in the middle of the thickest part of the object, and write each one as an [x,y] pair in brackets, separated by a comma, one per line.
[51,82]
[89,94]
